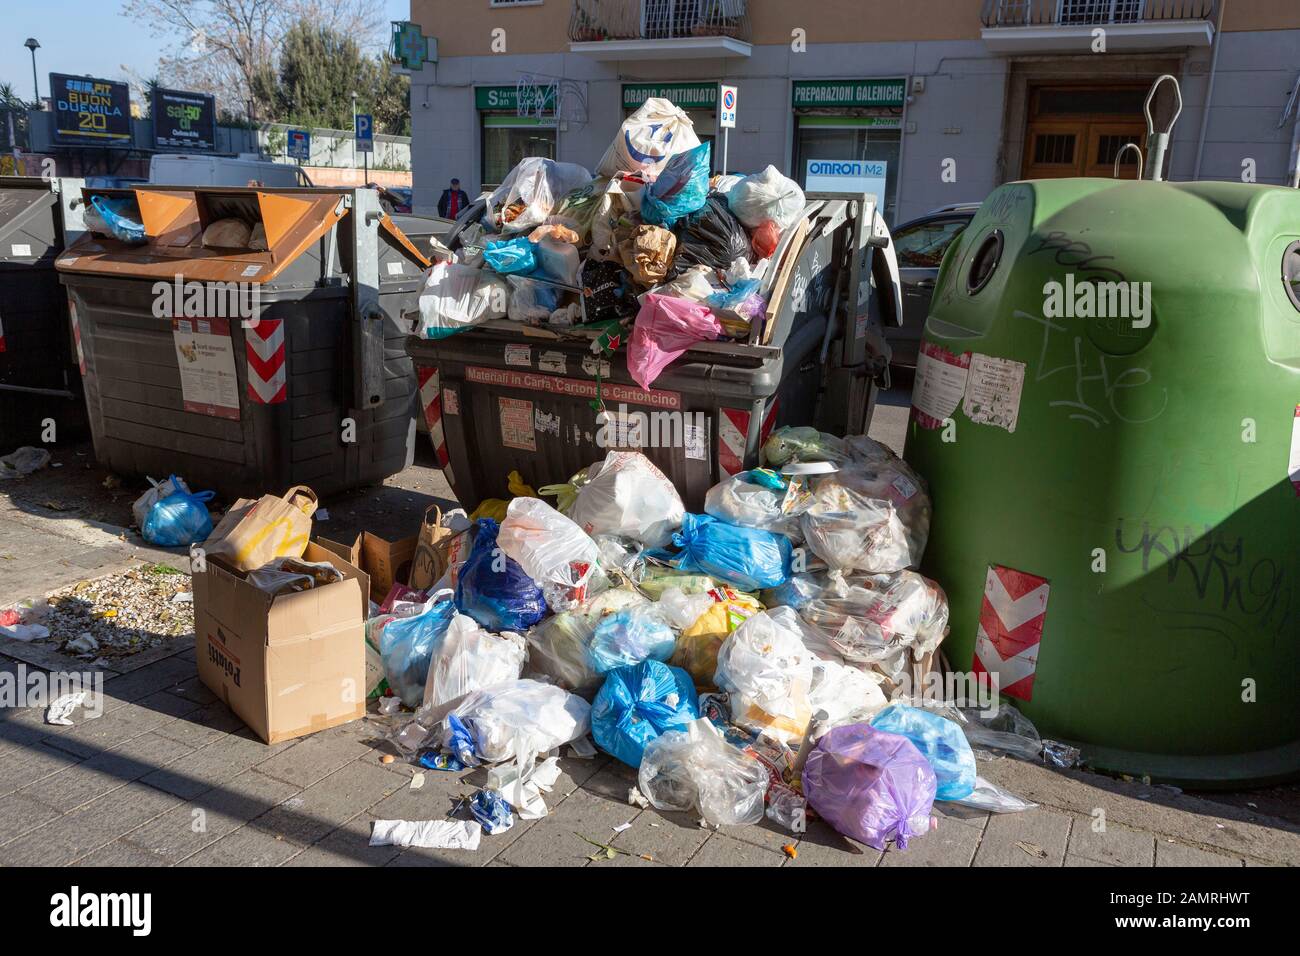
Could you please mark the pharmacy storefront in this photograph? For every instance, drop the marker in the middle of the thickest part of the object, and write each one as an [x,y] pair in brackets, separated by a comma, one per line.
[698,100]
[507,136]
[849,135]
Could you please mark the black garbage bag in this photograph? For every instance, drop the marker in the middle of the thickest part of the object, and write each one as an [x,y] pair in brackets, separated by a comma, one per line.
[710,237]
[608,289]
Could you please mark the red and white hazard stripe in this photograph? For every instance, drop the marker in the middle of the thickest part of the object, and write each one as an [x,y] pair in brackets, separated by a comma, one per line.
[1011,621]
[733,436]
[267,379]
[431,402]
[2,335]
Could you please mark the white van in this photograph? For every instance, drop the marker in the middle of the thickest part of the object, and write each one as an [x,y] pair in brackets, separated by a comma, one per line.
[181,169]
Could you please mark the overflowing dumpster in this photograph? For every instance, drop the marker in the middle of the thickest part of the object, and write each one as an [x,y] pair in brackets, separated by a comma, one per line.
[252,338]
[38,370]
[1107,407]
[506,397]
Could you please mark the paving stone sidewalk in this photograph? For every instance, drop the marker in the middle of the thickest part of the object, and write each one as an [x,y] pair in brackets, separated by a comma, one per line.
[168,776]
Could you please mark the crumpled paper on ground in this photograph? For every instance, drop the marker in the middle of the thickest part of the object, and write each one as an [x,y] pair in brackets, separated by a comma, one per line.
[428,834]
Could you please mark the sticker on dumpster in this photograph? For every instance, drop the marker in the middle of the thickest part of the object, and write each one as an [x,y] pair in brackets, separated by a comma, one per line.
[1011,629]
[395,268]
[450,402]
[552,362]
[517,423]
[940,384]
[546,424]
[205,354]
[595,366]
[22,251]
[993,390]
[1293,471]
[519,355]
[696,440]
[573,387]
[250,271]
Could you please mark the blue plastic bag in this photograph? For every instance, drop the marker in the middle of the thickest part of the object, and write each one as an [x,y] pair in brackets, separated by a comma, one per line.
[941,741]
[630,636]
[493,589]
[679,190]
[637,704]
[179,520]
[747,558]
[406,646]
[116,216]
[510,257]
[492,812]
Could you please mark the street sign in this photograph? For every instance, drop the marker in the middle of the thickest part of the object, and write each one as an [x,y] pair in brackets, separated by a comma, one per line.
[365,133]
[299,144]
[727,108]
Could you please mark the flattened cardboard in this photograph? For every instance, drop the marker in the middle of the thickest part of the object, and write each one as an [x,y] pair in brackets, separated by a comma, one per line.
[385,562]
[287,665]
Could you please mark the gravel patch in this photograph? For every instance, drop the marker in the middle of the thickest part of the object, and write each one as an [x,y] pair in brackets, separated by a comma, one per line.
[123,614]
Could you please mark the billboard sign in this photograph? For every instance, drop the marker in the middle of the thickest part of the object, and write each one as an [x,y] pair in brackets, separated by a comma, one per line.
[89,111]
[184,121]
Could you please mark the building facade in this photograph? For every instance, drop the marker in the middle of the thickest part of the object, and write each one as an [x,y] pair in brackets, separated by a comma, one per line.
[943,100]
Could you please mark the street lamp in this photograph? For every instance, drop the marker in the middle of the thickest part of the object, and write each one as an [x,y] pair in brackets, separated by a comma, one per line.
[32,45]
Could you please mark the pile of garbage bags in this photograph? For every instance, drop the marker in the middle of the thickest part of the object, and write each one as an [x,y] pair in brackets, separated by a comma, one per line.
[767,659]
[652,243]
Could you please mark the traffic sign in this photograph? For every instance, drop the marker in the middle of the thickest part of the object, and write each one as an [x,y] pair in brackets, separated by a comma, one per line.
[365,133]
[727,107]
[299,144]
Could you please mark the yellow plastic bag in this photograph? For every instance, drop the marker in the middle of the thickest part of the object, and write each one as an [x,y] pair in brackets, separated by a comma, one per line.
[495,508]
[698,646]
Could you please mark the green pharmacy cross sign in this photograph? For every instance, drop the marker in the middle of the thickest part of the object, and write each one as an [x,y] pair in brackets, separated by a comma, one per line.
[410,47]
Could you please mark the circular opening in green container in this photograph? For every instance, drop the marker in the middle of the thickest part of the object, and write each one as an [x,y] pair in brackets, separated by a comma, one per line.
[985,262]
[1291,273]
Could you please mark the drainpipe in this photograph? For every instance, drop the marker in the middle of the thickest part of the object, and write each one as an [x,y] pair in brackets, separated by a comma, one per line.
[1209,89]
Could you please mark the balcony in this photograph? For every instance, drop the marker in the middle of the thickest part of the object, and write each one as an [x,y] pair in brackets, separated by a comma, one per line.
[1066,26]
[660,29]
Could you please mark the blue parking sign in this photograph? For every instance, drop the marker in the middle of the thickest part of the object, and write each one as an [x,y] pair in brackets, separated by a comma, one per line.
[365,133]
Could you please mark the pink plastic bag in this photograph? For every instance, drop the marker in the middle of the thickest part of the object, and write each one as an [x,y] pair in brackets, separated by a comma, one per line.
[870,785]
[665,328]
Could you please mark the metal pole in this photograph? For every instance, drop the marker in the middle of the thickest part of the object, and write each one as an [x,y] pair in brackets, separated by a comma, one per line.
[726,146]
[36,86]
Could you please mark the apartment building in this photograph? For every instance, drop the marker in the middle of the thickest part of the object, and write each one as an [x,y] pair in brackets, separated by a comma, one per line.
[944,99]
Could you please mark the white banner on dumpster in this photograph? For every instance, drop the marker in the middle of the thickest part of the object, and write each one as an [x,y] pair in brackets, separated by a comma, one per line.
[940,384]
[205,354]
[1294,470]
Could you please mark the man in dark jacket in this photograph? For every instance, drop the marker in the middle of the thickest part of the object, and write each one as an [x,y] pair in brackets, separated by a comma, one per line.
[453,202]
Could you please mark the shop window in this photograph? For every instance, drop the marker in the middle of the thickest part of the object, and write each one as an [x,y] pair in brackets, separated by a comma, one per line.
[505,146]
[843,139]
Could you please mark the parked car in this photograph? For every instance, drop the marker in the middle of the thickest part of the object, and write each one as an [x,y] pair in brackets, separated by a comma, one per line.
[394,199]
[920,245]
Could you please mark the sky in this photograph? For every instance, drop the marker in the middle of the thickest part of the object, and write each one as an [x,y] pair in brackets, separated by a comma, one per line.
[90,36]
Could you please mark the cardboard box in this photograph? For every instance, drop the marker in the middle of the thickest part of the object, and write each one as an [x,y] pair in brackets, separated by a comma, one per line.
[287,665]
[385,562]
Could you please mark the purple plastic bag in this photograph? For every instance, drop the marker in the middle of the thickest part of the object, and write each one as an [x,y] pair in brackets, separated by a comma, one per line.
[870,785]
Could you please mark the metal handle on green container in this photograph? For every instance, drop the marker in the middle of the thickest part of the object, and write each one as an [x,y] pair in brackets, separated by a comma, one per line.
[1158,143]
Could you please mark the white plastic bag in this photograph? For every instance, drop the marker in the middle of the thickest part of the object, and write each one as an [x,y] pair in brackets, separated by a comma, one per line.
[456,297]
[696,769]
[533,189]
[470,658]
[868,517]
[680,609]
[558,645]
[515,718]
[766,197]
[628,496]
[530,302]
[989,796]
[881,619]
[691,284]
[548,546]
[648,138]
[158,490]
[741,501]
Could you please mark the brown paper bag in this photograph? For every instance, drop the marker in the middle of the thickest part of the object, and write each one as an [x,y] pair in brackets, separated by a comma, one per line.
[254,532]
[435,549]
[648,254]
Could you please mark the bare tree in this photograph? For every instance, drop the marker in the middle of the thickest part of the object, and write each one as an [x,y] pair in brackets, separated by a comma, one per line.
[229,47]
